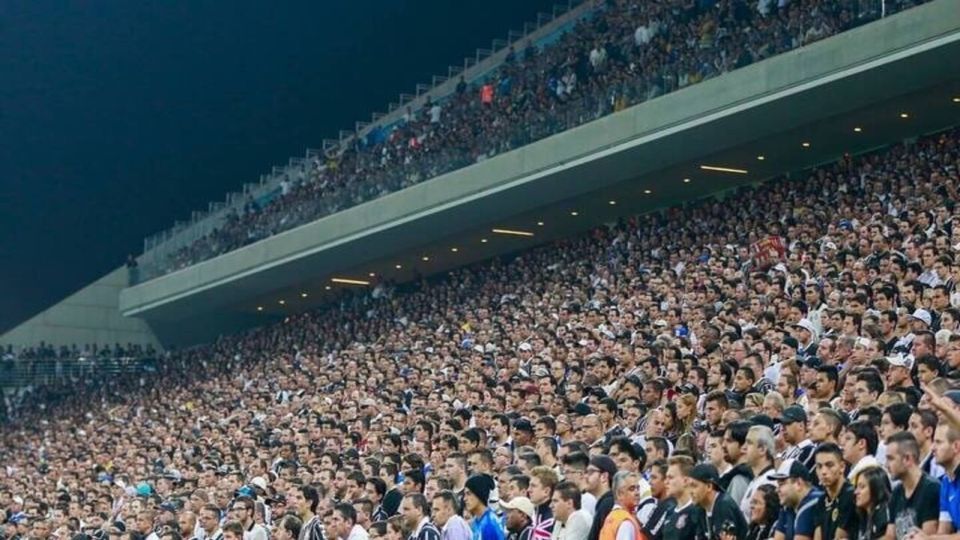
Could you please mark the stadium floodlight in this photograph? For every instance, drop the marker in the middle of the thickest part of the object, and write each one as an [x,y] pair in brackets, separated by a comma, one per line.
[514,232]
[348,281]
[730,170]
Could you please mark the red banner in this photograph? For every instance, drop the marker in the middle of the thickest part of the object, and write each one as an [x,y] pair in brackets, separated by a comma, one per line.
[768,251]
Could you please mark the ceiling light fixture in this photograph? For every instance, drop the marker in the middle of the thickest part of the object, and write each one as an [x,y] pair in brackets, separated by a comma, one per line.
[574,213]
[647,191]
[347,281]
[282,302]
[723,169]
[539,224]
[511,232]
[805,145]
[303,295]
[686,180]
[453,249]
[483,240]
[425,258]
[858,129]
[904,115]
[761,157]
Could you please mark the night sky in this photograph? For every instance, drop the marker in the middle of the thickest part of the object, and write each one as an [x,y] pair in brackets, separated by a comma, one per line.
[119,117]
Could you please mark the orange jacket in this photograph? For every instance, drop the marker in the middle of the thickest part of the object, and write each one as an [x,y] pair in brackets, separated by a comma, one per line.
[612,524]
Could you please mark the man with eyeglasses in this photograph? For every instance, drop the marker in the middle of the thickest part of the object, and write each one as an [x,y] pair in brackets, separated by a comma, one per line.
[243,510]
[591,428]
[574,469]
[599,479]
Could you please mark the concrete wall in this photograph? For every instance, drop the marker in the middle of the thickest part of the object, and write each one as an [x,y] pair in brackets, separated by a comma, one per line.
[90,315]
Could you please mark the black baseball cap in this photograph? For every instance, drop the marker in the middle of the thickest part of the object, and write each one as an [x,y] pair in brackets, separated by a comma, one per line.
[793,413]
[522,424]
[707,474]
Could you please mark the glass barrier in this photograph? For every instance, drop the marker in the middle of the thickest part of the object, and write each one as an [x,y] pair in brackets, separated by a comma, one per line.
[539,94]
[22,372]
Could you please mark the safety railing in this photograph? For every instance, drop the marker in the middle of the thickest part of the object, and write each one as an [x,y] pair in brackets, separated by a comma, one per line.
[22,372]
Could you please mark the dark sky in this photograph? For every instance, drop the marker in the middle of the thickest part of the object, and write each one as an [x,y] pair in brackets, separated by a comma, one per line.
[118,117]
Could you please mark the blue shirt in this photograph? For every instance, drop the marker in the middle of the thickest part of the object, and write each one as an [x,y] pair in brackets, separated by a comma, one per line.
[803,520]
[487,527]
[950,499]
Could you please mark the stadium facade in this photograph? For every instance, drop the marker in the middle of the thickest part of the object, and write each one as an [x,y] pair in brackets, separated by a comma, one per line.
[883,83]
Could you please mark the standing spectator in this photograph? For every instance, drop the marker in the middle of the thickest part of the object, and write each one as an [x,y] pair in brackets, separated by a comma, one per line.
[416,516]
[485,524]
[599,478]
[621,523]
[687,520]
[445,511]
[542,481]
[245,508]
[210,523]
[572,522]
[304,502]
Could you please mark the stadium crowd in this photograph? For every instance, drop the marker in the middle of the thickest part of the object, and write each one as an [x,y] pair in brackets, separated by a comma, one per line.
[781,364]
[625,53]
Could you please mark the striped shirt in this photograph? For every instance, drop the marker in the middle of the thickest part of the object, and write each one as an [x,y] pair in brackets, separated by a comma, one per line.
[426,530]
[312,530]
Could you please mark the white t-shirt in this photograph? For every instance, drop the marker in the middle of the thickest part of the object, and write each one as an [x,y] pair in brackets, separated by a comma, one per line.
[257,532]
[754,485]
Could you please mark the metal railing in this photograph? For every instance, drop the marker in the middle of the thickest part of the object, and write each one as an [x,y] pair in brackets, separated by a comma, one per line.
[22,372]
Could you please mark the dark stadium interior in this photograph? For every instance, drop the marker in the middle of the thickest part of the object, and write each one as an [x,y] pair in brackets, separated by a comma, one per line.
[666,270]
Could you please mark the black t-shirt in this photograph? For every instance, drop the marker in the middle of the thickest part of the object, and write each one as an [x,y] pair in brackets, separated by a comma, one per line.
[874,526]
[603,508]
[685,523]
[391,501]
[725,514]
[654,525]
[840,513]
[922,506]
